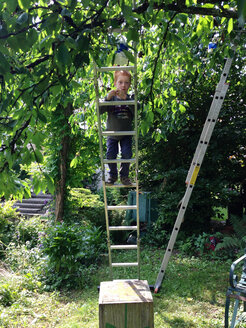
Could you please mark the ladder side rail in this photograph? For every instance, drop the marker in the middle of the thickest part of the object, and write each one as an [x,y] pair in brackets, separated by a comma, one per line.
[136,155]
[215,107]
[173,237]
[210,119]
[211,126]
[185,201]
[102,167]
[207,131]
[212,112]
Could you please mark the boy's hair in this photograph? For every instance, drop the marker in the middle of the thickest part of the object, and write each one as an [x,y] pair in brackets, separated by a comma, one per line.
[117,73]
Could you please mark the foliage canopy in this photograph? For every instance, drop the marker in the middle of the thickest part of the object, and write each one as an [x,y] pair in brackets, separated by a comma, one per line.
[47,50]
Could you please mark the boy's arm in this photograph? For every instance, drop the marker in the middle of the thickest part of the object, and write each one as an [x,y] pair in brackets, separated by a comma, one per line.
[109,97]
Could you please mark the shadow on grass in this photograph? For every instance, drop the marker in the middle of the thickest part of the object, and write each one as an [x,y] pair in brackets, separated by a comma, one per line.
[176,322]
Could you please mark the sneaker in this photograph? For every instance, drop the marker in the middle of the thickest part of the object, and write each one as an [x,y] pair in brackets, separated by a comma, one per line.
[111,180]
[125,181]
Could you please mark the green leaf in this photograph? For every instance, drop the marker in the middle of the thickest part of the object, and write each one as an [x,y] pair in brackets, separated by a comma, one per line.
[38,138]
[82,42]
[70,43]
[41,117]
[63,55]
[11,5]
[50,183]
[182,108]
[74,162]
[21,42]
[127,11]
[133,35]
[230,25]
[24,4]
[4,65]
[129,56]
[81,59]
[38,156]
[22,18]
[32,37]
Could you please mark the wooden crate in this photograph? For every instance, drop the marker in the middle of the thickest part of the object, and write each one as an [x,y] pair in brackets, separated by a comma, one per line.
[125,304]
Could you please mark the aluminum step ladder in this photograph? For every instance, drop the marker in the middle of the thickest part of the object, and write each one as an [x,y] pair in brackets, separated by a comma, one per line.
[197,160]
[134,133]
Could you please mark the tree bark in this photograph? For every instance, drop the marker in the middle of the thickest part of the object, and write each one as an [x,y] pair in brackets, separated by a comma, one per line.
[61,184]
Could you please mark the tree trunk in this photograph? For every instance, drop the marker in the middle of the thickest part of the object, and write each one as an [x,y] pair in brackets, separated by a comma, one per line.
[61,184]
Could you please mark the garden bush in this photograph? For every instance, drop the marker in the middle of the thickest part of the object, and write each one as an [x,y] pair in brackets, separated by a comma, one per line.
[8,218]
[83,205]
[72,252]
[30,230]
[234,245]
[23,259]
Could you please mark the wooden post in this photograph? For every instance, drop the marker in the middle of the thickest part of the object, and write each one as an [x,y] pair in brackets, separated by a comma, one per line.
[125,304]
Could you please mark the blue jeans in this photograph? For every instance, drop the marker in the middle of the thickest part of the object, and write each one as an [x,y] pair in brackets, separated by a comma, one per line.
[126,153]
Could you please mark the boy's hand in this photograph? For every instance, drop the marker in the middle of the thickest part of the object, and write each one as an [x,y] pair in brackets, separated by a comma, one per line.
[121,94]
[116,93]
[111,94]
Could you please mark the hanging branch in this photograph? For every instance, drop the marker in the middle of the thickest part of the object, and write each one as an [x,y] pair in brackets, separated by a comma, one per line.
[158,55]
[180,7]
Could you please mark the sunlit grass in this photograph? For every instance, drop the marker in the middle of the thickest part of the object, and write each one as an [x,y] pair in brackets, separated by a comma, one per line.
[192,295]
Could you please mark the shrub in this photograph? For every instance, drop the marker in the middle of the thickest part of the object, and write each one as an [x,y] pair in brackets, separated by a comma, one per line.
[155,236]
[30,230]
[72,251]
[8,216]
[235,243]
[8,294]
[200,245]
[84,205]
[17,289]
[24,259]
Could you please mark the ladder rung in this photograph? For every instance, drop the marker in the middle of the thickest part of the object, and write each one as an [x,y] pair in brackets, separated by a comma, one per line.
[119,160]
[124,247]
[119,185]
[118,133]
[118,228]
[115,103]
[122,207]
[129,264]
[115,68]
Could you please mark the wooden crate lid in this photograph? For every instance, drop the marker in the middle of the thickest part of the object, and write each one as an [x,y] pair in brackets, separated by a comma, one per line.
[124,291]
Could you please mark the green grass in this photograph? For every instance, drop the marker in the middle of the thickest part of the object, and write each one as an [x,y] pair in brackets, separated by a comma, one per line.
[192,295]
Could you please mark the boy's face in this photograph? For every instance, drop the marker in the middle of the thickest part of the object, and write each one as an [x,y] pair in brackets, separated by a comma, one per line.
[122,83]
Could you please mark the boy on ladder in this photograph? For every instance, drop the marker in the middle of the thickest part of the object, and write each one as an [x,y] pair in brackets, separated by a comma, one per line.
[120,118]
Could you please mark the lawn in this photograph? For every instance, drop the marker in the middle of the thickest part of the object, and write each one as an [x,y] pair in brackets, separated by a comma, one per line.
[192,295]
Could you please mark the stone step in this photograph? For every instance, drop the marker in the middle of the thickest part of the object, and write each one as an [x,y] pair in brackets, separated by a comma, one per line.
[34,205]
[31,201]
[29,205]
[29,210]
[31,214]
[46,196]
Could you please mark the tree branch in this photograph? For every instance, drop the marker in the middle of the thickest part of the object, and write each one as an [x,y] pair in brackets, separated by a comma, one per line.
[6,36]
[180,7]
[38,61]
[18,134]
[158,54]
